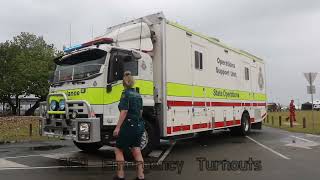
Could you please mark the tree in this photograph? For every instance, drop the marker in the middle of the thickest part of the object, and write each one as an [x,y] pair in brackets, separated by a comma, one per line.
[27,64]
[11,83]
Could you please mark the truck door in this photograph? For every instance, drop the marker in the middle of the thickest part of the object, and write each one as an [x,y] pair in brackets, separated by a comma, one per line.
[120,61]
[254,90]
[201,117]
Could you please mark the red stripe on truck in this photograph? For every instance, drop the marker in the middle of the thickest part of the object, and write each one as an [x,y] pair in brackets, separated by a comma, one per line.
[199,104]
[181,128]
[229,123]
[179,103]
[259,104]
[217,125]
[200,126]
[225,104]
[168,130]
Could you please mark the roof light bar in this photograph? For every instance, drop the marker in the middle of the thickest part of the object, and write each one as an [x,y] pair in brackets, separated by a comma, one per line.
[87,44]
[72,48]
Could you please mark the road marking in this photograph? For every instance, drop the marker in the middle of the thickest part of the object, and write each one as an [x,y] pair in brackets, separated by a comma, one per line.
[307,140]
[9,164]
[52,156]
[266,147]
[45,167]
[302,143]
[67,167]
[155,153]
[312,135]
[109,148]
[166,153]
[299,145]
[35,155]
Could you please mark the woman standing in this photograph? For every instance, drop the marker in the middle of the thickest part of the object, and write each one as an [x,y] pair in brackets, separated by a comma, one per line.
[130,127]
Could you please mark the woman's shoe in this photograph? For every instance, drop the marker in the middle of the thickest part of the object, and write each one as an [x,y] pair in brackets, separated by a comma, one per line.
[117,178]
[138,179]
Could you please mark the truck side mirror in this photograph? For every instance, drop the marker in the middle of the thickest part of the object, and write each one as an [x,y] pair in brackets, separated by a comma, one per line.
[109,88]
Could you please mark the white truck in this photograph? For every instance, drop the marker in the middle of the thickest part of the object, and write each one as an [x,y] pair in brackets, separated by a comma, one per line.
[190,83]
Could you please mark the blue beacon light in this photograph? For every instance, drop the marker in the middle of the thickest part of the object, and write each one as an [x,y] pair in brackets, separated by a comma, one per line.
[87,44]
[72,48]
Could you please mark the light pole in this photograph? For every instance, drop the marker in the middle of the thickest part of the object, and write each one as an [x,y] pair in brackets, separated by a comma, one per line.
[311,76]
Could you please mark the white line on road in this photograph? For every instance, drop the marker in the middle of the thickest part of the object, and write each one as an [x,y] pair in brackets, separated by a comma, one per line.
[9,164]
[266,147]
[313,135]
[35,155]
[307,140]
[155,153]
[163,157]
[66,167]
[44,167]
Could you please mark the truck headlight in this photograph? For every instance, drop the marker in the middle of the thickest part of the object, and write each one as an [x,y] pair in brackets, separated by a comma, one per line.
[54,105]
[62,104]
[84,128]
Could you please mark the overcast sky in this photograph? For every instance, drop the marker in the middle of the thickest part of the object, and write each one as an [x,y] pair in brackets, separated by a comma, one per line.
[285,33]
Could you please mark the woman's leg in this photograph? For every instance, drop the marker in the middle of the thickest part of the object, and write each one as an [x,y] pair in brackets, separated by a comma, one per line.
[136,153]
[120,162]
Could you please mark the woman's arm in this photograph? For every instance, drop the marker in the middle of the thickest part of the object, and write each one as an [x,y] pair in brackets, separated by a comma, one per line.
[122,116]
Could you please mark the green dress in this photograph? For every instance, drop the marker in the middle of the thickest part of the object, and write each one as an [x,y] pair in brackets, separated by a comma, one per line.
[132,127]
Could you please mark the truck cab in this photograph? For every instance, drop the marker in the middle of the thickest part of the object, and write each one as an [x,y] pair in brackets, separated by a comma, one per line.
[86,88]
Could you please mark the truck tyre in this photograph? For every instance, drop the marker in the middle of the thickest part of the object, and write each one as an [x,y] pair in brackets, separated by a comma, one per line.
[244,128]
[88,147]
[148,139]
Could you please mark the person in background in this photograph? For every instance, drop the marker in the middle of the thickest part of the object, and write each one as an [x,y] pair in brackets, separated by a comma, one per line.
[292,111]
[130,127]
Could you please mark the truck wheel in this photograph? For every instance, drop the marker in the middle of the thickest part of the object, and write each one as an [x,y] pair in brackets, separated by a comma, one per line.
[88,147]
[148,139]
[244,128]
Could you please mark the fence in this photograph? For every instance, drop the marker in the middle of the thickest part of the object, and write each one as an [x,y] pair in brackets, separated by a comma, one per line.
[19,128]
[303,121]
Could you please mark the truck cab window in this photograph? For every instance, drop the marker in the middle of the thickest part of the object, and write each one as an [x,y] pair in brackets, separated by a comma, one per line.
[121,61]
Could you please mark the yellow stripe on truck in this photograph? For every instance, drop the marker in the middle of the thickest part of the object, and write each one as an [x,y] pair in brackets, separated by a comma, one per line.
[99,95]
[185,90]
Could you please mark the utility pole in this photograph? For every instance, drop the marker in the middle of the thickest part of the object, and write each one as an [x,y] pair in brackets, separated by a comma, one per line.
[70,35]
[311,89]
[92,36]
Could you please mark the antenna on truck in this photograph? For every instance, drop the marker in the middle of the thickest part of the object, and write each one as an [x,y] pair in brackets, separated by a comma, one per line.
[70,35]
[140,35]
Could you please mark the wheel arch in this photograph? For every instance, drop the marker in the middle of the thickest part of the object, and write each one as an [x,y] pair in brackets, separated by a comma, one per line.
[245,112]
[149,114]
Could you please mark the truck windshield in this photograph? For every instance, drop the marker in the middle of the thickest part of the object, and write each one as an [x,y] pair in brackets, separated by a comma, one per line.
[82,65]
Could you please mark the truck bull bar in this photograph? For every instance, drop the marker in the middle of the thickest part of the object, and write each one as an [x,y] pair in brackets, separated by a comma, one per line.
[68,102]
[68,127]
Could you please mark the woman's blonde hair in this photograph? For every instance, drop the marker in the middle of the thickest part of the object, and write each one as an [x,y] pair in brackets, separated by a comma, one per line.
[128,80]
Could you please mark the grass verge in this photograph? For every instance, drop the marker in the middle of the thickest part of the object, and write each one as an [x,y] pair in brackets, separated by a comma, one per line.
[312,127]
[17,129]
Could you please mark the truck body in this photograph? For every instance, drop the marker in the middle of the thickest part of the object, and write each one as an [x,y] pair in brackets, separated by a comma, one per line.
[190,83]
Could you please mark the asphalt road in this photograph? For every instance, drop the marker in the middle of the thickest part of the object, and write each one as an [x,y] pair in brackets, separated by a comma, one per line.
[267,154]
